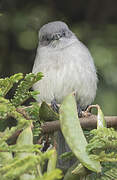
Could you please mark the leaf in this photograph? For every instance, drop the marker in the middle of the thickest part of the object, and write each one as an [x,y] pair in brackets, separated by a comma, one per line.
[46,113]
[52,161]
[72,131]
[80,170]
[100,119]
[27,177]
[69,175]
[55,174]
[5,156]
[25,138]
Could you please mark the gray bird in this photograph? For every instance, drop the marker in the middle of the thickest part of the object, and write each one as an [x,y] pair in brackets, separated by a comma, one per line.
[67,66]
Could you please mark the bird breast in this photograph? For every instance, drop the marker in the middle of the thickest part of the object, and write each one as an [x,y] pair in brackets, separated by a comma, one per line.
[66,70]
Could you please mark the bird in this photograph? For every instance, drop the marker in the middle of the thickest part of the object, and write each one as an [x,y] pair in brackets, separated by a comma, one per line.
[67,66]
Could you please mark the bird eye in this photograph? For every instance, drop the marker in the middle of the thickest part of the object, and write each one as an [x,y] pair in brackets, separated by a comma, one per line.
[47,39]
[42,38]
[63,33]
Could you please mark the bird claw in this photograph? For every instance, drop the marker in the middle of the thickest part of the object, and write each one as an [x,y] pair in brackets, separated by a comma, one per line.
[54,106]
[83,112]
[86,114]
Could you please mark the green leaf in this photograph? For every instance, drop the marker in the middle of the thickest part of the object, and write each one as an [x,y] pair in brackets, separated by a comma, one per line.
[52,161]
[27,177]
[25,137]
[5,156]
[72,131]
[67,155]
[69,175]
[46,113]
[55,174]
[100,119]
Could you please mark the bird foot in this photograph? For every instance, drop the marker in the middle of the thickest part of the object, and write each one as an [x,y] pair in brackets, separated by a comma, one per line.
[86,114]
[82,112]
[54,106]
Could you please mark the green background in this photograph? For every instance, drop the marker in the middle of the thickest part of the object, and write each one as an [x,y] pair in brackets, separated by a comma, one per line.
[93,21]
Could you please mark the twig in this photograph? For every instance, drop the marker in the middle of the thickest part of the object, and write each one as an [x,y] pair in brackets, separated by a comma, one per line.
[86,123]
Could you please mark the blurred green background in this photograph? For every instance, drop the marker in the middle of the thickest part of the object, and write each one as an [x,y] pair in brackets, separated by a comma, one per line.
[93,21]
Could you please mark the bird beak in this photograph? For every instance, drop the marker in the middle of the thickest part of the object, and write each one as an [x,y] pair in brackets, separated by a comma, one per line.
[57,36]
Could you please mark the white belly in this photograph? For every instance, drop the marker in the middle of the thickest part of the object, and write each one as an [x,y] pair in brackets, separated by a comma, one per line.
[65,72]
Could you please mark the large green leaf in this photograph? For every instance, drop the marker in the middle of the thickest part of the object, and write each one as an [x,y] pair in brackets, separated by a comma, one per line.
[72,131]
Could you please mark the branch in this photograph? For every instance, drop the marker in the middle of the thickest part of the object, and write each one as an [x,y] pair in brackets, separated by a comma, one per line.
[52,123]
[89,122]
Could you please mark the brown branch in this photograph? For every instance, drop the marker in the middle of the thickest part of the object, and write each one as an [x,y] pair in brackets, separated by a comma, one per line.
[52,123]
[86,123]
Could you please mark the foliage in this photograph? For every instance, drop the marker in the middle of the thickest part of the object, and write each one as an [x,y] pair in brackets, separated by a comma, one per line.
[8,110]
[23,160]
[101,148]
[96,28]
[28,160]
[72,132]
[103,139]
[7,83]
[22,93]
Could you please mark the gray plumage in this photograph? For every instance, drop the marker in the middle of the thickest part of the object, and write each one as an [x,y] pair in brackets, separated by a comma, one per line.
[67,66]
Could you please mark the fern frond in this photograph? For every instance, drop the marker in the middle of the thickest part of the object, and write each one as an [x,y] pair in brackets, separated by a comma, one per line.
[7,83]
[8,110]
[19,167]
[109,172]
[104,139]
[22,93]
